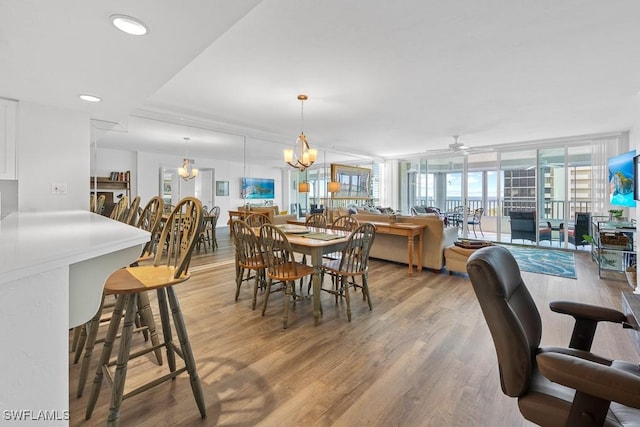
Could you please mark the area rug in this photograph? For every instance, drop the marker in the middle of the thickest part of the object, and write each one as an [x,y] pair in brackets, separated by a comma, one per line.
[545,261]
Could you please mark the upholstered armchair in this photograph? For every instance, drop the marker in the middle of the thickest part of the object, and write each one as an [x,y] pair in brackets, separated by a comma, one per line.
[554,386]
[576,232]
[523,226]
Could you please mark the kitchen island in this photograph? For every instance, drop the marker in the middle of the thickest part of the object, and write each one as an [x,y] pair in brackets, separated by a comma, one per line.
[52,271]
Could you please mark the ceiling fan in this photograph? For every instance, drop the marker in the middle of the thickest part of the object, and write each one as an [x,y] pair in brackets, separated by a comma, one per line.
[459,147]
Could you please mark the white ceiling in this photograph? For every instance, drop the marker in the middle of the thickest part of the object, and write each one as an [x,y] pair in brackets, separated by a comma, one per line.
[384,79]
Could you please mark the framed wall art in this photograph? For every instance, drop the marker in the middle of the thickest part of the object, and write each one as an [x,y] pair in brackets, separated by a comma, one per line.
[355,183]
[222,188]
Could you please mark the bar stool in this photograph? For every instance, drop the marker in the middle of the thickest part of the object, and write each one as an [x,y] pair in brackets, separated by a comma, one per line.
[179,237]
[149,220]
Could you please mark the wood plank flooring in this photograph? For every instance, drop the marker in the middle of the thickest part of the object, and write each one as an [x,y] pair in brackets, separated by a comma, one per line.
[422,357]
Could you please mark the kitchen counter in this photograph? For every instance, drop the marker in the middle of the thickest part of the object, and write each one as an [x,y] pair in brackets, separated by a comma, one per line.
[52,271]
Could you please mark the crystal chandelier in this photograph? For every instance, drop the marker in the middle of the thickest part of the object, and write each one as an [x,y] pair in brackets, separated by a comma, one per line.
[187,171]
[301,156]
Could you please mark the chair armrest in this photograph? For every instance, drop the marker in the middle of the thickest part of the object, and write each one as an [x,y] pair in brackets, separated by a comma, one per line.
[601,381]
[587,318]
[587,311]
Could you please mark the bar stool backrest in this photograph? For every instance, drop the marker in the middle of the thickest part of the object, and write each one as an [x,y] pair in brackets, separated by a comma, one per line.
[150,220]
[179,235]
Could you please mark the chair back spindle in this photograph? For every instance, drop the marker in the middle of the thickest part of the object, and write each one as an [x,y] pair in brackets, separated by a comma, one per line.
[150,220]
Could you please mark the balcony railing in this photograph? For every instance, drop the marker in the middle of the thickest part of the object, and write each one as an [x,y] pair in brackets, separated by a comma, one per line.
[551,209]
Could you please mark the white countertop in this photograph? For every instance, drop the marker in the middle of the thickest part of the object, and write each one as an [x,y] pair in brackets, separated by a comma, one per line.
[33,242]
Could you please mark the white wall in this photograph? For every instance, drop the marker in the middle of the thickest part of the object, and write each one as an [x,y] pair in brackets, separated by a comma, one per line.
[53,147]
[145,174]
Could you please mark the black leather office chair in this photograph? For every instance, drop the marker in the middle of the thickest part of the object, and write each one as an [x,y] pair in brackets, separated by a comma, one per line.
[554,386]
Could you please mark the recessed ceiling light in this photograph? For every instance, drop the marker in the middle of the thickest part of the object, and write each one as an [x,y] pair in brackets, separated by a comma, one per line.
[90,98]
[129,25]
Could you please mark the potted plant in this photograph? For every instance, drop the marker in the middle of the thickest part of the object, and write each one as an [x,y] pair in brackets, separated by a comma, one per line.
[615,214]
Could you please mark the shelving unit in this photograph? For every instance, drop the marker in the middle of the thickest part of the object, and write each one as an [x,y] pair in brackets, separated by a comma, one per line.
[108,186]
[613,249]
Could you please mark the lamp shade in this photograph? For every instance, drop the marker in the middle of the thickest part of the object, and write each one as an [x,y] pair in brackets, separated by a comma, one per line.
[303,187]
[333,187]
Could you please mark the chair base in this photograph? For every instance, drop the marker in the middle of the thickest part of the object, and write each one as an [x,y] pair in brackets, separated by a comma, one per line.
[117,379]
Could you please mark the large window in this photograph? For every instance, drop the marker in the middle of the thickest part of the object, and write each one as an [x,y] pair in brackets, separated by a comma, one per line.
[554,181]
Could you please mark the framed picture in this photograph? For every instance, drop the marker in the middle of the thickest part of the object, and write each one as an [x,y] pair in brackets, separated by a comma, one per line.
[222,188]
[166,187]
[355,183]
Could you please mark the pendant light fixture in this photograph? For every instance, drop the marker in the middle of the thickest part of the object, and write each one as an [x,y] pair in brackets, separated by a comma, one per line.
[187,171]
[304,187]
[332,186]
[301,156]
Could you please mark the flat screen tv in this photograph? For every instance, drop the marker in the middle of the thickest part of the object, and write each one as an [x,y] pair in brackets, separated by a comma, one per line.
[621,180]
[257,188]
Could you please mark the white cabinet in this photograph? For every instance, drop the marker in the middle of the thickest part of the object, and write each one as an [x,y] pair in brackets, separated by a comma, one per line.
[8,125]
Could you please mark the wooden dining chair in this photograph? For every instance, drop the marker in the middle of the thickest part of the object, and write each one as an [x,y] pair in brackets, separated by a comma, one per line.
[179,233]
[345,222]
[256,220]
[215,215]
[316,220]
[249,258]
[281,267]
[353,262]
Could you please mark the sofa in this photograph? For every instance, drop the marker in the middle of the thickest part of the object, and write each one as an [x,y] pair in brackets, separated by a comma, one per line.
[272,212]
[435,238]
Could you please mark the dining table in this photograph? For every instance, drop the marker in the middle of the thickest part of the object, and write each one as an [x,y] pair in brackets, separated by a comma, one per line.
[314,242]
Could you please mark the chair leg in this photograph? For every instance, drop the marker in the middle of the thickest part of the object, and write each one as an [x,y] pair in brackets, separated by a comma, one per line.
[105,355]
[82,339]
[144,308]
[287,299]
[239,276]
[76,336]
[120,374]
[187,352]
[266,296]
[166,328]
[345,288]
[92,326]
[256,284]
[365,289]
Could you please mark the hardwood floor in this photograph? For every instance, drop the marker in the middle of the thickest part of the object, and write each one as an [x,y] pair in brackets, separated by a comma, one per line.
[422,357]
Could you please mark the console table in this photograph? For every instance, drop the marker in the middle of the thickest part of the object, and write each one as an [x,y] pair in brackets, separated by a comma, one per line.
[411,231]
